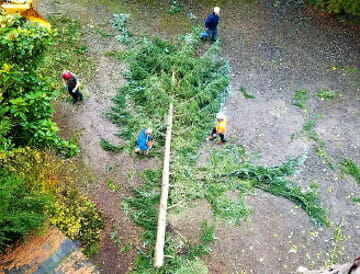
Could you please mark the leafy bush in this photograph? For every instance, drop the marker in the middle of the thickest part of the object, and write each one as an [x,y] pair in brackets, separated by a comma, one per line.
[74,214]
[26,94]
[78,218]
[22,209]
[119,22]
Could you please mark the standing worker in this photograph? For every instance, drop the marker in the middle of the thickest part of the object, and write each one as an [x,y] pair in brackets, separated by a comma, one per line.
[211,25]
[219,129]
[72,83]
[144,141]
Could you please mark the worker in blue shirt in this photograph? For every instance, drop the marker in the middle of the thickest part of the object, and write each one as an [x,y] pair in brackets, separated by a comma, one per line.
[211,25]
[144,141]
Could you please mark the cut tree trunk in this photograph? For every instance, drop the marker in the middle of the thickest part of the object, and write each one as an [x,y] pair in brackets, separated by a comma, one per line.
[160,235]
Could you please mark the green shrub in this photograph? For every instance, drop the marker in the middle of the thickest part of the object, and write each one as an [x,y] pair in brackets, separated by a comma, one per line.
[22,210]
[78,218]
[26,95]
[43,172]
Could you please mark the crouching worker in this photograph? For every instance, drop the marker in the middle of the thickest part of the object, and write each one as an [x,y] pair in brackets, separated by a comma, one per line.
[220,128]
[72,84]
[144,141]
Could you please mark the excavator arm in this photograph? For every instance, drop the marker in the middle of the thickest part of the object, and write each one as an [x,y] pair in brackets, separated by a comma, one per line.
[27,9]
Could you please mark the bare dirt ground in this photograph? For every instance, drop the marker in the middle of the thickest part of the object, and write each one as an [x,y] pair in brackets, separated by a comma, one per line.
[274,48]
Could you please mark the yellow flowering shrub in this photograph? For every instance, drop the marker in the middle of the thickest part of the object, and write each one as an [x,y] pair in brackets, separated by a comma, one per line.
[44,172]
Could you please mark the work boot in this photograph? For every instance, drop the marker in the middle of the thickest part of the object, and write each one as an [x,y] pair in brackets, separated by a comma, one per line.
[211,137]
[221,143]
[137,150]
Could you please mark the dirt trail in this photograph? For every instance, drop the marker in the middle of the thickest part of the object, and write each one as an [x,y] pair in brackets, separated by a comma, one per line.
[273,49]
[88,120]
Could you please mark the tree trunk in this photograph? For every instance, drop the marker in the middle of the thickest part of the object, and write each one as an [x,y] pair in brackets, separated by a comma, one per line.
[160,235]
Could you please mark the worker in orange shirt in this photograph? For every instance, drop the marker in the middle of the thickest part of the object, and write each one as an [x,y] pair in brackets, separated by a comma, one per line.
[220,128]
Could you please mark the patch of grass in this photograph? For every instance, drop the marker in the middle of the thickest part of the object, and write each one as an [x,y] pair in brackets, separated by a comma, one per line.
[300,98]
[92,249]
[103,33]
[339,237]
[326,94]
[349,70]
[356,201]
[175,7]
[246,95]
[126,248]
[112,186]
[120,55]
[68,52]
[110,147]
[309,125]
[116,238]
[350,168]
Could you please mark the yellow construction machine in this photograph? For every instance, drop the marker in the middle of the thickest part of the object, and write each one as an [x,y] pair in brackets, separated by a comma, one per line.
[27,9]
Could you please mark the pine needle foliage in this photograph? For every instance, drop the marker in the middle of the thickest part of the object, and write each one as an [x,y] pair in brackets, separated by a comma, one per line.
[326,94]
[160,72]
[309,131]
[241,175]
[107,146]
[300,98]
[144,210]
[272,180]
[246,95]
[349,167]
[22,209]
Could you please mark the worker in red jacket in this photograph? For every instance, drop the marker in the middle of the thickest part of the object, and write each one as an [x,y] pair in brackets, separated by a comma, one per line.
[72,84]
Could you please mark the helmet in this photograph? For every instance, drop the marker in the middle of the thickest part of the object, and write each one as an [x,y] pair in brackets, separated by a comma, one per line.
[148,131]
[67,75]
[220,116]
[216,9]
